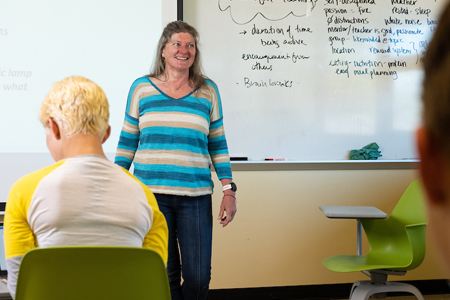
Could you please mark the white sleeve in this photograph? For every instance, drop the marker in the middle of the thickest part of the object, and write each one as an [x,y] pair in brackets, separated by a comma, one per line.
[12,265]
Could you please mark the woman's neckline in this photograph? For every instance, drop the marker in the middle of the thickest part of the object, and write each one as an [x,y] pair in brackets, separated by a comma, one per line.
[165,94]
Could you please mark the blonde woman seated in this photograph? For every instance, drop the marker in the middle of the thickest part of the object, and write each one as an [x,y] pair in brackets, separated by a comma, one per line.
[83,199]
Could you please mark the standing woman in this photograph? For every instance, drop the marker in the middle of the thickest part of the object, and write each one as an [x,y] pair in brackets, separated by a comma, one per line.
[172,132]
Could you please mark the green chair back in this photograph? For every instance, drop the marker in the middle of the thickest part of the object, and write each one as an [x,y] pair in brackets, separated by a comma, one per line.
[410,209]
[399,241]
[86,273]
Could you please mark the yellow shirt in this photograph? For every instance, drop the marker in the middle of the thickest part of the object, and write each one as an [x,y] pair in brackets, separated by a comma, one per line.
[84,200]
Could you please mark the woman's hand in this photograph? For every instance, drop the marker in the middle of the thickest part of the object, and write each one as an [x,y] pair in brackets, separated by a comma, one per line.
[227,208]
[228,205]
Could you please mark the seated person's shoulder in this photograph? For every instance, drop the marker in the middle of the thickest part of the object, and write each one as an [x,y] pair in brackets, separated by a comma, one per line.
[31,180]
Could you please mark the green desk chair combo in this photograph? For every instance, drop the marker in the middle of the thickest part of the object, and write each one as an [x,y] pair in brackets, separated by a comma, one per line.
[87,273]
[397,245]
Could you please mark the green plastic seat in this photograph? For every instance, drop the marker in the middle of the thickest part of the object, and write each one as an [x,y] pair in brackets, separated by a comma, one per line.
[86,273]
[397,244]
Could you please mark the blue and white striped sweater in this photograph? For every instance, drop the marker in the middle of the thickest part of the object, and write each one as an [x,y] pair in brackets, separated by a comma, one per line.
[172,142]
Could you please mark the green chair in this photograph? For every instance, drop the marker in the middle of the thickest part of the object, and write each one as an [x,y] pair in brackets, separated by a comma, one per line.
[86,273]
[397,245]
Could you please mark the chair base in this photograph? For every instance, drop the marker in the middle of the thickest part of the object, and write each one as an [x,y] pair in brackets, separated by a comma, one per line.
[363,290]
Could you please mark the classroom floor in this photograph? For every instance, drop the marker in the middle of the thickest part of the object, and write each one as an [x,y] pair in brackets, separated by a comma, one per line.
[427,297]
[276,295]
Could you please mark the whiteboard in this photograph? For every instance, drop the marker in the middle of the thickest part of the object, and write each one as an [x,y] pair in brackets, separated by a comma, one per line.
[310,80]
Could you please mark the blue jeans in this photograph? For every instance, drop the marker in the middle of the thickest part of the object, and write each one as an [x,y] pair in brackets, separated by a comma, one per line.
[189,220]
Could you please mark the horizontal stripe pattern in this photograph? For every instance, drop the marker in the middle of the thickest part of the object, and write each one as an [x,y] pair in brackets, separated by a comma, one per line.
[179,158]
[173,142]
[130,128]
[174,119]
[179,191]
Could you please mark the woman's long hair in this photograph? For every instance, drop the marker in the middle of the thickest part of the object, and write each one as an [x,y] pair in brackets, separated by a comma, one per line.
[195,71]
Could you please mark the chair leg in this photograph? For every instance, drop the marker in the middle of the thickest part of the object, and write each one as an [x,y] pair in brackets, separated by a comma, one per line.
[359,291]
[363,290]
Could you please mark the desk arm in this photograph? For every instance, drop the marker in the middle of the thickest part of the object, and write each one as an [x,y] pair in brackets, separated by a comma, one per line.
[352,212]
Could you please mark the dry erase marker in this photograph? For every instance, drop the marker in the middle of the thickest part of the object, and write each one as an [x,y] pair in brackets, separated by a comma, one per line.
[275,159]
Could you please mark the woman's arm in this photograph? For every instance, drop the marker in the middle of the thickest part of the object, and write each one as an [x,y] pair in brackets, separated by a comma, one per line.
[128,142]
[129,136]
[218,150]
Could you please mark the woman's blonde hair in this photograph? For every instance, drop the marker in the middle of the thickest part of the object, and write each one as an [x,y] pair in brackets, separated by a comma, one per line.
[195,71]
[79,104]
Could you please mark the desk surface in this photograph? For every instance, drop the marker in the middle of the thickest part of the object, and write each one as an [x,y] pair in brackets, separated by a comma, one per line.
[353,212]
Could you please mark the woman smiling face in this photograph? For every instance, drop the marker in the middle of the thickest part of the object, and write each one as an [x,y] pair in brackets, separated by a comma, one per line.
[179,52]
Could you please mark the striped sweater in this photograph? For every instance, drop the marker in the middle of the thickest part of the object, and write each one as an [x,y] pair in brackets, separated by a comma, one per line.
[173,142]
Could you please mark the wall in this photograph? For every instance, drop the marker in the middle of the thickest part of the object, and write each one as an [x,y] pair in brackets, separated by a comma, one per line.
[280,237]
